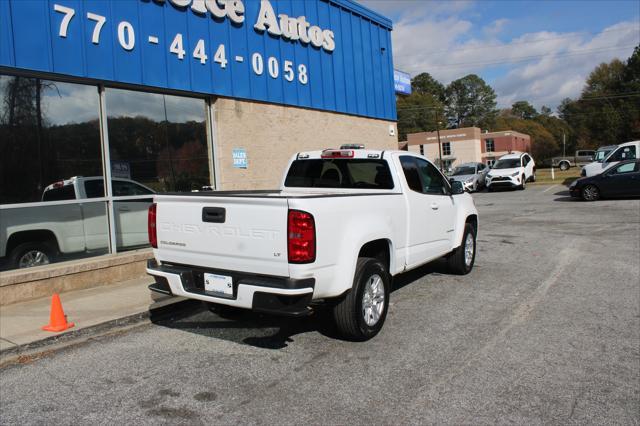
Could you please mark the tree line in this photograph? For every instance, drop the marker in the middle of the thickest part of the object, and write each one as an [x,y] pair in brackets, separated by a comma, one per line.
[606,112]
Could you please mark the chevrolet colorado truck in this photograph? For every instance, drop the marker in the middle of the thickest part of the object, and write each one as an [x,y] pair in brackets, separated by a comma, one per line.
[342,224]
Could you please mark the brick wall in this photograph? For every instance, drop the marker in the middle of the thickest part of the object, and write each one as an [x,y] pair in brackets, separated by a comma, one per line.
[271,134]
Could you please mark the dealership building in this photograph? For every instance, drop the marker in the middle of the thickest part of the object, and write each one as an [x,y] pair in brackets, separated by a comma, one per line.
[104,103]
[467,145]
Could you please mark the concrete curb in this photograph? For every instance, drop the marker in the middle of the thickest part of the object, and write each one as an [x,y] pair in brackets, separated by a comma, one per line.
[41,348]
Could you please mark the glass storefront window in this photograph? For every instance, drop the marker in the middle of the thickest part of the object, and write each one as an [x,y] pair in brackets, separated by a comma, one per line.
[49,132]
[157,143]
[49,146]
[158,140]
[52,187]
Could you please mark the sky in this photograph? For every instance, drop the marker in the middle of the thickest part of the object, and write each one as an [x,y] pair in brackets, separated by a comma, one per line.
[540,51]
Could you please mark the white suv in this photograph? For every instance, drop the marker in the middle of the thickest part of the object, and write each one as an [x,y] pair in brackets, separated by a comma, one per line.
[511,171]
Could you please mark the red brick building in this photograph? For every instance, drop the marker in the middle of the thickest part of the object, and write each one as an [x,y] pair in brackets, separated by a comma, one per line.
[496,144]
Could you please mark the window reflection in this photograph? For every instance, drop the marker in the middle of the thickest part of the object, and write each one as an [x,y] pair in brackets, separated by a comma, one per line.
[49,132]
[158,140]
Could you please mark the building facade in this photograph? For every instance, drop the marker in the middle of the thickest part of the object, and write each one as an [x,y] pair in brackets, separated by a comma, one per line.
[467,145]
[104,103]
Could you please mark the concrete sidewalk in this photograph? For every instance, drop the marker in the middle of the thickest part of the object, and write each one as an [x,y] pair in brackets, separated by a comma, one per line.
[20,323]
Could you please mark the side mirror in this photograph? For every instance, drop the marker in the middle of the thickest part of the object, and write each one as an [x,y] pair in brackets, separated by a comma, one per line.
[456,187]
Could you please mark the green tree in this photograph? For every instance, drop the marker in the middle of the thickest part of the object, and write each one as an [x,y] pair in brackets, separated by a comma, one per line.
[524,110]
[417,113]
[545,110]
[608,110]
[425,84]
[543,142]
[470,102]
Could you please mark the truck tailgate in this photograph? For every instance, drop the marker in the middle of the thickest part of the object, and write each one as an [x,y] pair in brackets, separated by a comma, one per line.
[229,233]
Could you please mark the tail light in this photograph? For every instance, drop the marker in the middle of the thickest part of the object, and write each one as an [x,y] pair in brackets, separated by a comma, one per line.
[301,237]
[153,234]
[337,153]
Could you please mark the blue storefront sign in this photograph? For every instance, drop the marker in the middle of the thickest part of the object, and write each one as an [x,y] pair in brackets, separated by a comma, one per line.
[325,54]
[402,82]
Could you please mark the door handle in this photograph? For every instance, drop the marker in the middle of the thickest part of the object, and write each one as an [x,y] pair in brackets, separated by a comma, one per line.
[435,206]
[124,209]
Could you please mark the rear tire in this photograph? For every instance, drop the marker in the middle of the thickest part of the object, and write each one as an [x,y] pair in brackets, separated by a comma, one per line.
[564,166]
[30,254]
[361,314]
[462,259]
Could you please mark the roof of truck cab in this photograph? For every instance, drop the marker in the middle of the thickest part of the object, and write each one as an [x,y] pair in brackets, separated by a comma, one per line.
[357,153]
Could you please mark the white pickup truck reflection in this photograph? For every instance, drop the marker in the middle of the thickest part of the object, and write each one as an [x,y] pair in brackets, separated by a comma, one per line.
[38,235]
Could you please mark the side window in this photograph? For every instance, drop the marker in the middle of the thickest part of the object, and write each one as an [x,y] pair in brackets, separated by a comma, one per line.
[141,190]
[623,153]
[625,168]
[525,160]
[432,180]
[123,188]
[410,170]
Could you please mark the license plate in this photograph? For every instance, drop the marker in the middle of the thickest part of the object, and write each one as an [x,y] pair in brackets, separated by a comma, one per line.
[218,284]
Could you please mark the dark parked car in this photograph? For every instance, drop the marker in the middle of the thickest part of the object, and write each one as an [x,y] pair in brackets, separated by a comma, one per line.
[619,180]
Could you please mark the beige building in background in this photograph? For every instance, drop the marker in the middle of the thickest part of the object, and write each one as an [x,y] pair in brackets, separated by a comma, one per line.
[467,145]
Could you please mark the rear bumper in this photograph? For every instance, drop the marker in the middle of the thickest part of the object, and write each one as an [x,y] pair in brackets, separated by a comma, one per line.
[260,293]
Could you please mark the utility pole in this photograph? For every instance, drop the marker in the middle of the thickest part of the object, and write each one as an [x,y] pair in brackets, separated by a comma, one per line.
[439,144]
[564,153]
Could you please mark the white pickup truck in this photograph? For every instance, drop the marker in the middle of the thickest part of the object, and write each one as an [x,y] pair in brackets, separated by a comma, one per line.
[342,224]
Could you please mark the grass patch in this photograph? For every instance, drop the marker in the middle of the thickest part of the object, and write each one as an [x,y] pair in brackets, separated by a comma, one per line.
[543,176]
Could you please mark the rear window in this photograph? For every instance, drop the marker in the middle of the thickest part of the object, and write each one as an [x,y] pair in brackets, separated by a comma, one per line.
[59,194]
[94,188]
[339,173]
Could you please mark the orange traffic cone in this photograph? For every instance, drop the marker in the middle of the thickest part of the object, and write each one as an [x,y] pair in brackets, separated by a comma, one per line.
[57,318]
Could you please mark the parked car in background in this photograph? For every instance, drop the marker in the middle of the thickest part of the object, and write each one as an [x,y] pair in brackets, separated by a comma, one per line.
[581,157]
[602,152]
[624,151]
[472,175]
[37,235]
[620,180]
[513,170]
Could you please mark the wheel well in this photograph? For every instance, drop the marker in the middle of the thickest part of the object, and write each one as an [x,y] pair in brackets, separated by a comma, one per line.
[473,221]
[39,236]
[377,249]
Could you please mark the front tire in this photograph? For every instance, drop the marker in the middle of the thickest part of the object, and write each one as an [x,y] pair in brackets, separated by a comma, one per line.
[523,185]
[462,259]
[564,166]
[590,193]
[361,314]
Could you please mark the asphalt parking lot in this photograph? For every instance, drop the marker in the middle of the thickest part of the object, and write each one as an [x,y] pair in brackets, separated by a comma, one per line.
[546,329]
